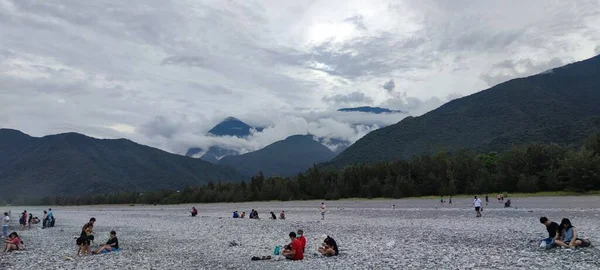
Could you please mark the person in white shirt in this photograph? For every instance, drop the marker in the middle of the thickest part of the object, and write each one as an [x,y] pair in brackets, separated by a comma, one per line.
[323,210]
[477,204]
[5,222]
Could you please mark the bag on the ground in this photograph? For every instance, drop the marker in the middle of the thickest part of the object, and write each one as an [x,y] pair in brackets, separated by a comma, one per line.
[276,250]
[586,242]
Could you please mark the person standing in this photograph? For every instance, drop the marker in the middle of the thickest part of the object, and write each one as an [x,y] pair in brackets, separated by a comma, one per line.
[45,220]
[450,200]
[86,237]
[5,222]
[23,220]
[323,210]
[477,204]
[50,222]
[487,200]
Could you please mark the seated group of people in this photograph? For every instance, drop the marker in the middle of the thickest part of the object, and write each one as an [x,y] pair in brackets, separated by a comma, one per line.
[87,237]
[281,215]
[237,215]
[563,235]
[295,250]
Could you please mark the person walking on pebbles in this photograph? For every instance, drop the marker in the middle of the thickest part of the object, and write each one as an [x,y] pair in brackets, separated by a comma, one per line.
[323,210]
[477,204]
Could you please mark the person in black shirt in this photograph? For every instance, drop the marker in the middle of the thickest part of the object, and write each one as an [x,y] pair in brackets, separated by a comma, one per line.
[553,231]
[111,245]
[329,248]
[86,237]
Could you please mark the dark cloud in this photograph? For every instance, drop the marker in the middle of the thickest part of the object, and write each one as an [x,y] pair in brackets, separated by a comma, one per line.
[105,67]
[160,126]
[352,98]
[357,21]
[389,85]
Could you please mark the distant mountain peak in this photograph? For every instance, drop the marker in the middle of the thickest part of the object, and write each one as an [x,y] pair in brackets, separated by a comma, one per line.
[231,118]
[369,109]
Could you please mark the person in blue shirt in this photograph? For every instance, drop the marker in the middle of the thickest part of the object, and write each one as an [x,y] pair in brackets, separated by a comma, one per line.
[50,222]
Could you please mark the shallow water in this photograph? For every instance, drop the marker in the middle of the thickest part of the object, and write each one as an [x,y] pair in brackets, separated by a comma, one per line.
[417,234]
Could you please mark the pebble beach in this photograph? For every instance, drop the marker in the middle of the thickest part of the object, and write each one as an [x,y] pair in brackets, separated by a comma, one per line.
[417,234]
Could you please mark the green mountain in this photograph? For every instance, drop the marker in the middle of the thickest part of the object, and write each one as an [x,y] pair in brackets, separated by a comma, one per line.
[72,163]
[561,106]
[291,156]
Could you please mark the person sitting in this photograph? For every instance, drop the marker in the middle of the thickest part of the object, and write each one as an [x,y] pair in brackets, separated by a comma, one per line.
[282,215]
[194,212]
[329,248]
[273,216]
[302,239]
[235,214]
[507,203]
[252,214]
[86,237]
[570,237]
[553,232]
[35,220]
[294,250]
[13,242]
[111,245]
[243,215]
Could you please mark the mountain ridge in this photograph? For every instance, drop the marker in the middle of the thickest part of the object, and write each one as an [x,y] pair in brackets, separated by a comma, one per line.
[65,163]
[287,157]
[509,113]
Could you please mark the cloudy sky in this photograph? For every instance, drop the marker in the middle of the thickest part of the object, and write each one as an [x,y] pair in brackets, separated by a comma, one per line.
[164,72]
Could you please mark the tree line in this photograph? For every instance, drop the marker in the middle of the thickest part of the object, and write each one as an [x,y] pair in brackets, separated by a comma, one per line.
[528,168]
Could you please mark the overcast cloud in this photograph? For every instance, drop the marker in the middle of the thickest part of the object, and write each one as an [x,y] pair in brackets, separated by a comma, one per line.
[164,72]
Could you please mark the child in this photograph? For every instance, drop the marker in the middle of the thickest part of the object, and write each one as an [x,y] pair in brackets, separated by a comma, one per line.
[87,235]
[111,245]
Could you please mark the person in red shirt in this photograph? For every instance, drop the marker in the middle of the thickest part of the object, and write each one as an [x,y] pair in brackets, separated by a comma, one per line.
[295,251]
[13,242]
[302,240]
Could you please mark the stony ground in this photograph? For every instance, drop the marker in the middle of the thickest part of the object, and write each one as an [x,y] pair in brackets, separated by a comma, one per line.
[418,234]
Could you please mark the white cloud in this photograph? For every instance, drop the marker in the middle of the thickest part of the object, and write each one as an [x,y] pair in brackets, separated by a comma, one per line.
[163,72]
